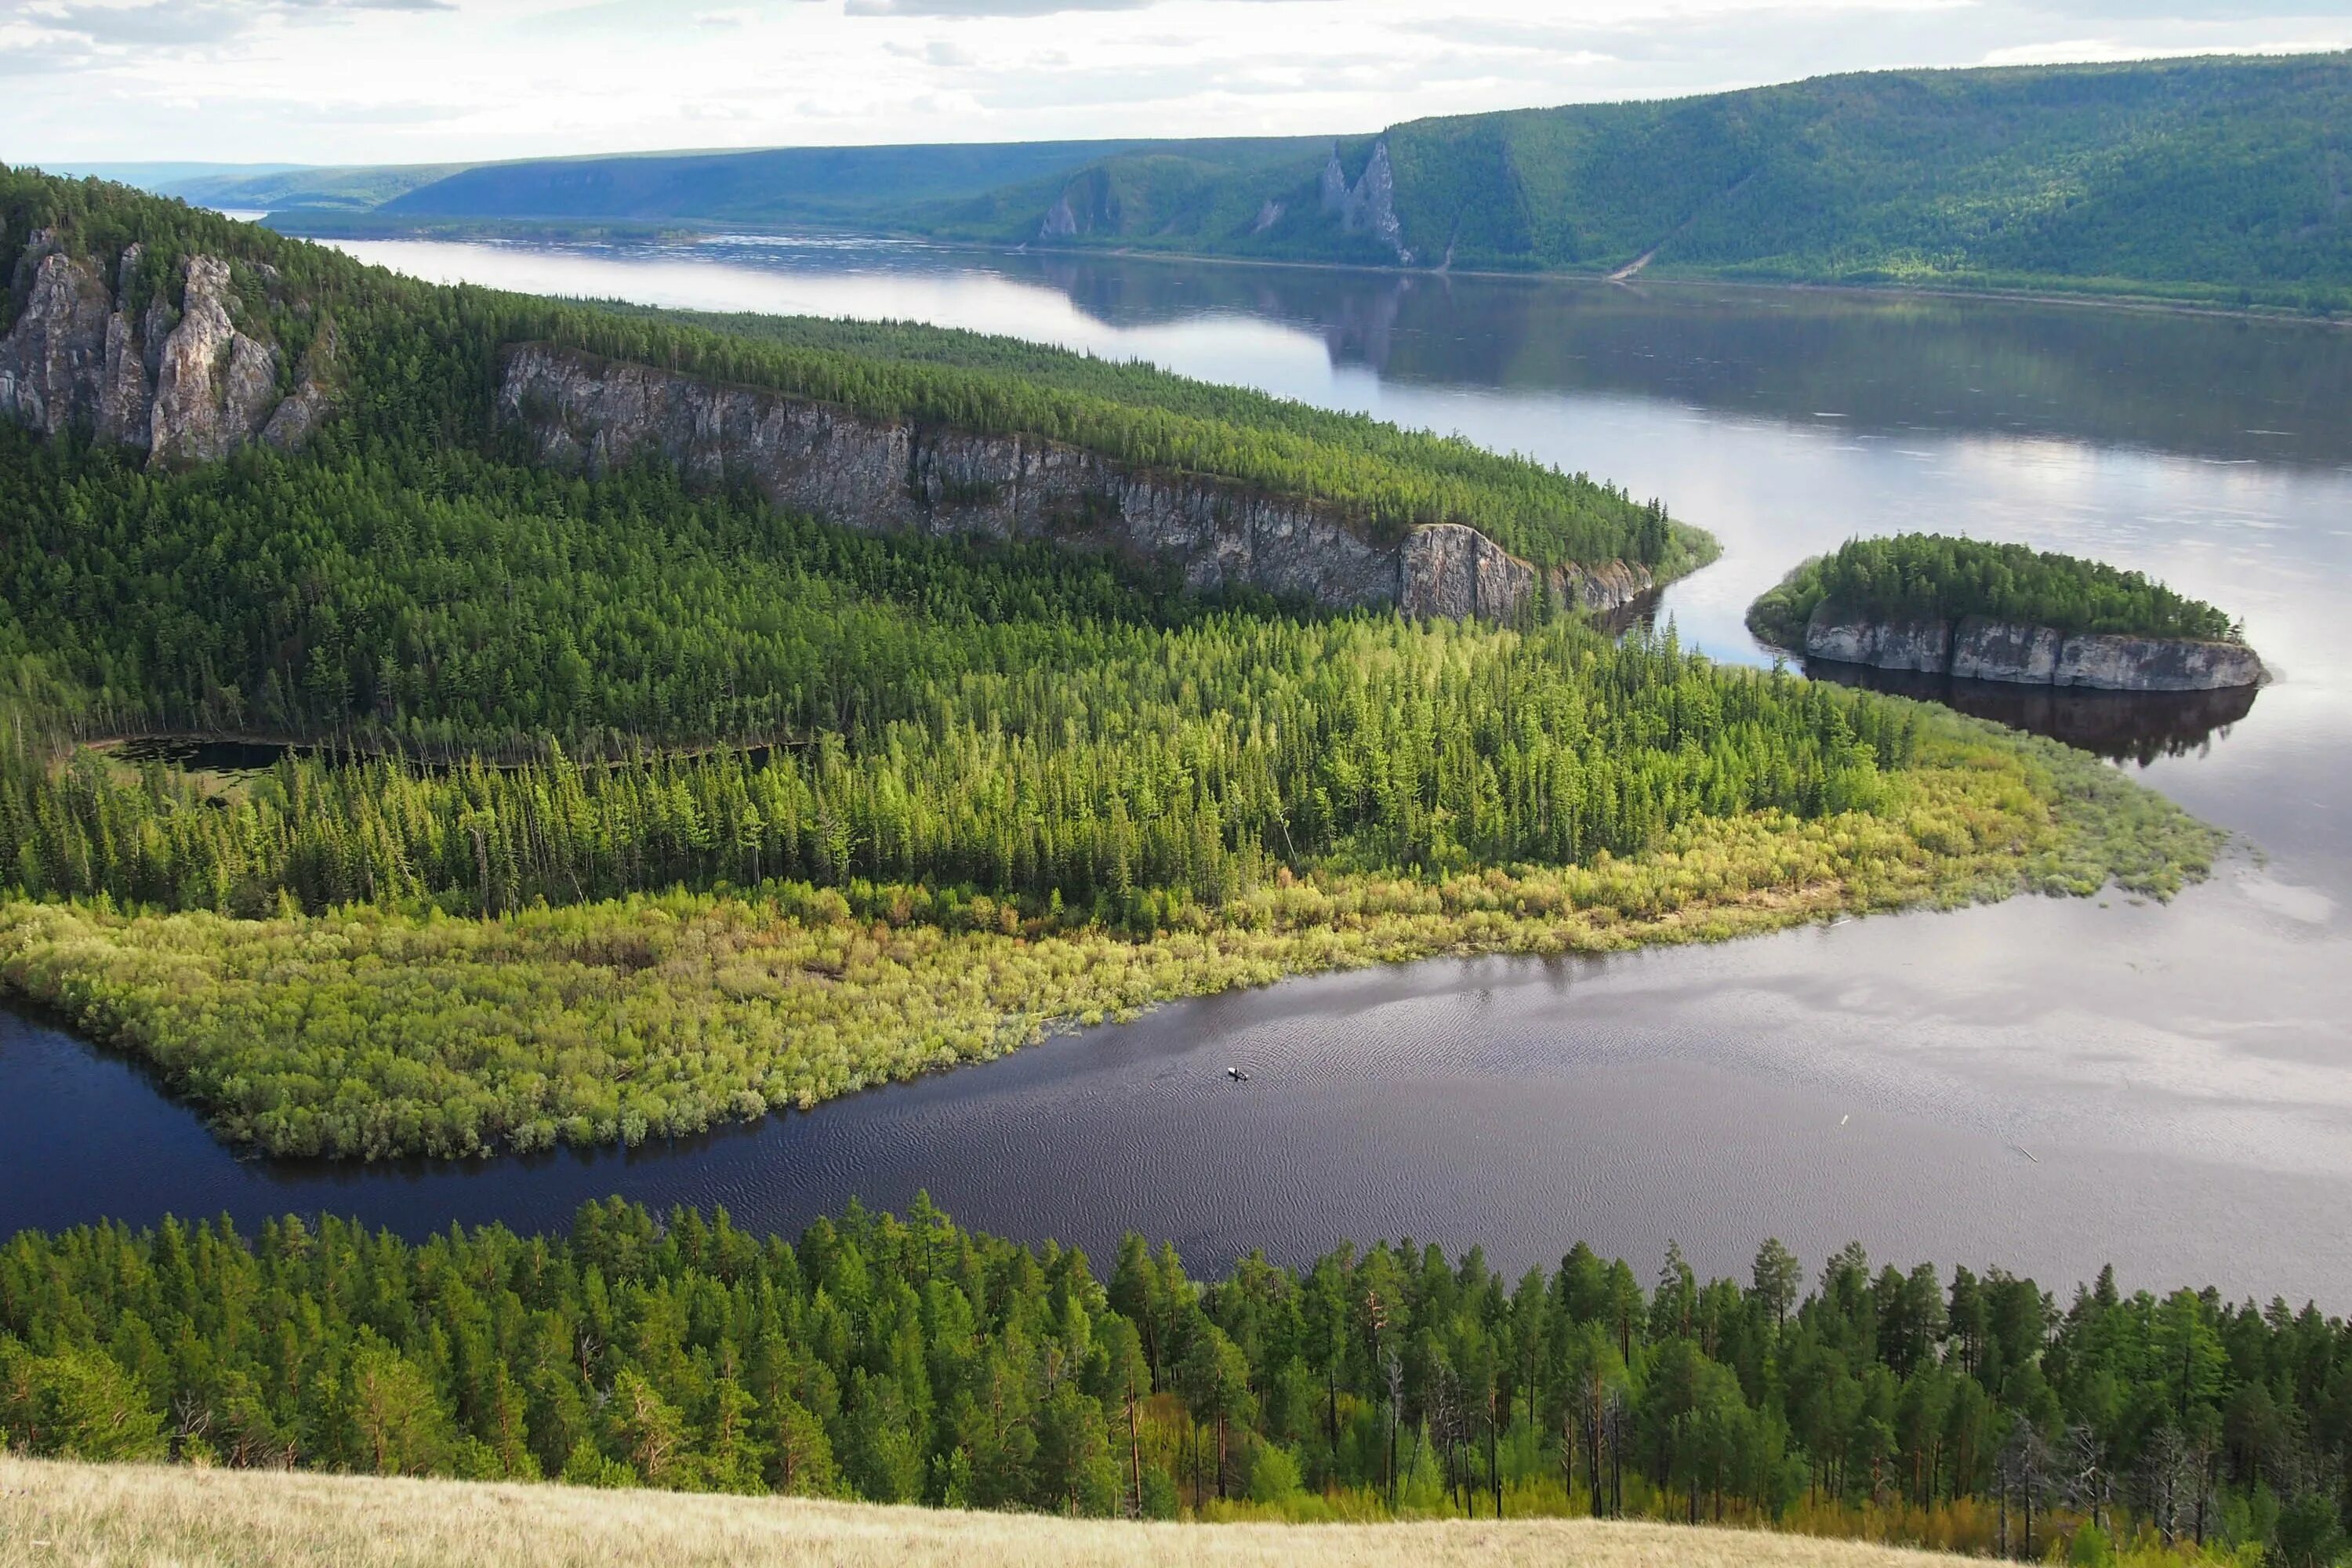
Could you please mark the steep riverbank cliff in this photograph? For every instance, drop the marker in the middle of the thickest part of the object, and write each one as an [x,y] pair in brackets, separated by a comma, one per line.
[183,383]
[1976,648]
[885,475]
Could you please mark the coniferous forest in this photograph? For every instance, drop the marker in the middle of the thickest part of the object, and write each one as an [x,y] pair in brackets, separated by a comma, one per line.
[612,808]
[905,1361]
[1923,576]
[633,808]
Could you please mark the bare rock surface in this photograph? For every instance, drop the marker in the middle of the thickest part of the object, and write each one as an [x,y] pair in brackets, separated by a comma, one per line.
[1980,648]
[185,382]
[896,476]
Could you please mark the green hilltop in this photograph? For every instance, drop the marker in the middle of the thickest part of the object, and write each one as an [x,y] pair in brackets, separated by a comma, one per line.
[2223,180]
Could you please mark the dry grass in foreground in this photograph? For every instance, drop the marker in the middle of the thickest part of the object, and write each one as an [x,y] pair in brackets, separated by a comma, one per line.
[53,1513]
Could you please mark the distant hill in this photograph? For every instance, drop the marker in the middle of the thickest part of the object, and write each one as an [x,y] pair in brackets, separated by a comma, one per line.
[2227,180]
[797,185]
[2200,176]
[358,188]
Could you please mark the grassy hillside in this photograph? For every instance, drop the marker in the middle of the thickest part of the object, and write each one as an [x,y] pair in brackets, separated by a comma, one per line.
[2226,180]
[54,1512]
[2200,176]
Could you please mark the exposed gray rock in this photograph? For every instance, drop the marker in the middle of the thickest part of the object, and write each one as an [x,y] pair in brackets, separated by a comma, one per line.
[53,360]
[1369,206]
[217,386]
[126,395]
[2110,663]
[1834,632]
[1060,220]
[1980,648]
[1985,649]
[186,384]
[1334,185]
[896,476]
[312,398]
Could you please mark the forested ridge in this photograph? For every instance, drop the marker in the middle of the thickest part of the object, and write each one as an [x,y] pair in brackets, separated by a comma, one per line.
[632,809]
[421,363]
[909,1360]
[2220,180]
[1935,576]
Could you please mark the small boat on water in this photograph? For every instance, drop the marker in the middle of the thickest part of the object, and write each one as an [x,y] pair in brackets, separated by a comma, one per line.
[1236,1074]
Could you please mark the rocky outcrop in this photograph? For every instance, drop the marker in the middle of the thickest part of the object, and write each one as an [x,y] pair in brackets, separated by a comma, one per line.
[215,387]
[53,363]
[882,475]
[1925,645]
[1980,649]
[186,384]
[1368,206]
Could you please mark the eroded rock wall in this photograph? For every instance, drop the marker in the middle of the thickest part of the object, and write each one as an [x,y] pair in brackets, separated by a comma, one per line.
[884,475]
[1980,649]
[185,384]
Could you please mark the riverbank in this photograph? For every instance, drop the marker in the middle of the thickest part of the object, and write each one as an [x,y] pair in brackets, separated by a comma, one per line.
[2097,294]
[371,1032]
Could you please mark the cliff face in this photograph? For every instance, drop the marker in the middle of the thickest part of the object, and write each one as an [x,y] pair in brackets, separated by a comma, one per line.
[896,476]
[1978,648]
[1370,205]
[185,385]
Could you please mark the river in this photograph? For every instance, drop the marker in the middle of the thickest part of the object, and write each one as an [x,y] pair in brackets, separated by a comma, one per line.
[2046,1085]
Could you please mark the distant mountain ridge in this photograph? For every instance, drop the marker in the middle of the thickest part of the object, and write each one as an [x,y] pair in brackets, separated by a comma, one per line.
[2227,180]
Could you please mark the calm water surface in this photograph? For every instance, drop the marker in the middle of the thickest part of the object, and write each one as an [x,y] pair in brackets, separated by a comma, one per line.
[2048,1084]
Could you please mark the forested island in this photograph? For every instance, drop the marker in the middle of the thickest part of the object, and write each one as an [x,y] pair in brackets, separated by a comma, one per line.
[906,1360]
[1982,611]
[647,801]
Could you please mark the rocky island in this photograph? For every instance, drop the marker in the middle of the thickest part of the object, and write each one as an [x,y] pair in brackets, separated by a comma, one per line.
[1974,611]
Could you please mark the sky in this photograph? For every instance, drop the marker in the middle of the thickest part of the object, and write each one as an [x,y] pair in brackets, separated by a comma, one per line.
[376,81]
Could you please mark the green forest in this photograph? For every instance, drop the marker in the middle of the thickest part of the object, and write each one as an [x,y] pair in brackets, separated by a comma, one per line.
[1933,576]
[2216,180]
[907,1360]
[2219,180]
[616,809]
[422,363]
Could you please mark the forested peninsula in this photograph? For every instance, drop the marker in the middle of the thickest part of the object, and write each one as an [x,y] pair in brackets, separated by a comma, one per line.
[636,799]
[908,1361]
[1980,611]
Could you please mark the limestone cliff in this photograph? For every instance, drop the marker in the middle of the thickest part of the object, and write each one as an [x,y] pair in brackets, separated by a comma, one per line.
[881,475]
[1976,648]
[186,384]
[1369,206]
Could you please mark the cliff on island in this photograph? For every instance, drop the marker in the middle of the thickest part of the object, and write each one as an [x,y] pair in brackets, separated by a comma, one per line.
[1975,611]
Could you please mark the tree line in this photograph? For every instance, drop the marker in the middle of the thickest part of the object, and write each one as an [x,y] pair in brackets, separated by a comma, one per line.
[417,367]
[1935,576]
[1193,762]
[904,1360]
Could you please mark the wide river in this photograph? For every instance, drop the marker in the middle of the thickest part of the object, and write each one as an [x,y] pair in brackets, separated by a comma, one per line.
[2047,1085]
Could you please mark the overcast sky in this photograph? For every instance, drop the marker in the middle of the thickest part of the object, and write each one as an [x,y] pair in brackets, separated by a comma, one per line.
[320,81]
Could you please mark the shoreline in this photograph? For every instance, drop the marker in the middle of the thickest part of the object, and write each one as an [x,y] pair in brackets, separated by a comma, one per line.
[2151,304]
[801,1000]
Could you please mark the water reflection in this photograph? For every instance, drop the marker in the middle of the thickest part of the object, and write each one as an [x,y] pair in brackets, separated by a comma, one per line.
[2121,726]
[2181,1074]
